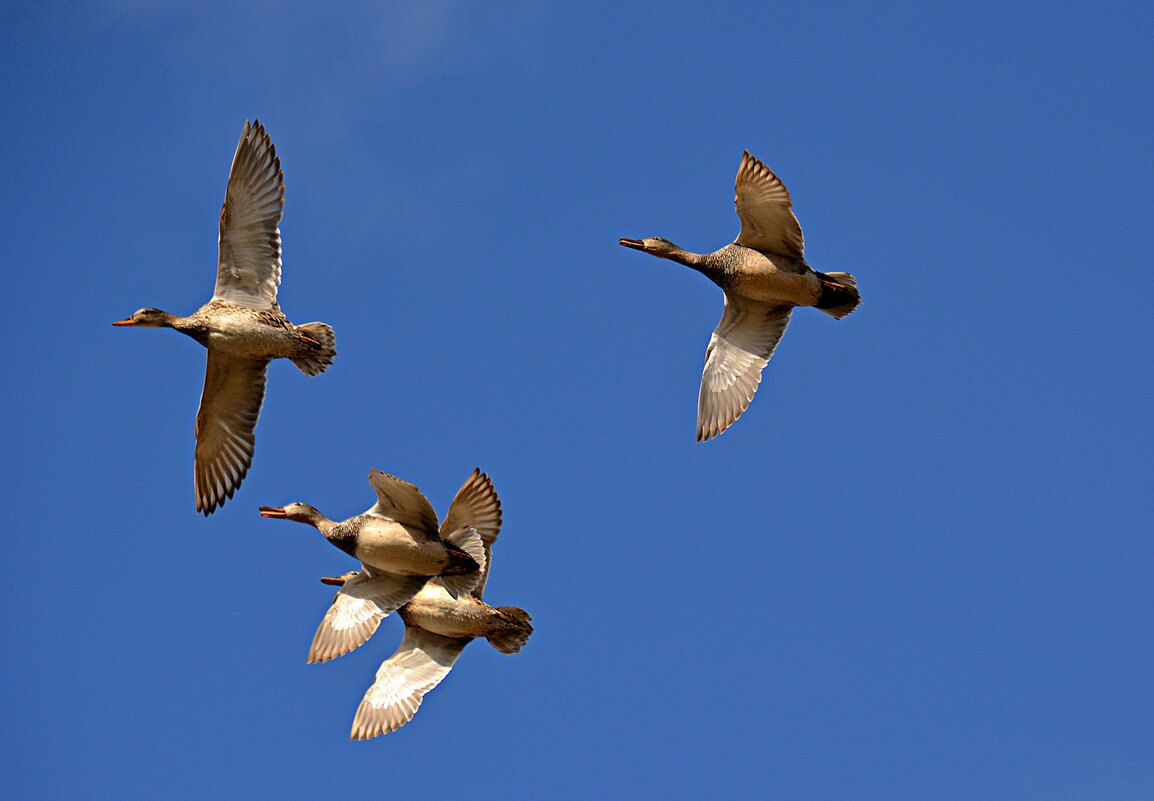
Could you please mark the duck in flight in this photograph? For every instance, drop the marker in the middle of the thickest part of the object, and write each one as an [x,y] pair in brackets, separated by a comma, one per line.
[242,327]
[400,547]
[438,625]
[764,276]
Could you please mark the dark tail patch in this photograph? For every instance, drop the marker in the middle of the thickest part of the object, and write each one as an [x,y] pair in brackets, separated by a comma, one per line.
[321,346]
[511,640]
[460,562]
[839,295]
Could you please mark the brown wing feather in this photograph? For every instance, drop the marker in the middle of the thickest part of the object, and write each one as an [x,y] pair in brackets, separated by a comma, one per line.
[229,408]
[476,505]
[763,204]
[400,500]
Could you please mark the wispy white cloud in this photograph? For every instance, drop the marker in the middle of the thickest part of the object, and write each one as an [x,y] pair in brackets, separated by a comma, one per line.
[361,42]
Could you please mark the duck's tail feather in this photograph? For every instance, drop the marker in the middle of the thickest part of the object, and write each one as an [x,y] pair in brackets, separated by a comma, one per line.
[321,344]
[839,295]
[467,561]
[511,640]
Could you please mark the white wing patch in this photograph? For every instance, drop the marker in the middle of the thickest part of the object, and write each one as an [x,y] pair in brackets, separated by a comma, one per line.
[740,348]
[358,609]
[249,262]
[419,664]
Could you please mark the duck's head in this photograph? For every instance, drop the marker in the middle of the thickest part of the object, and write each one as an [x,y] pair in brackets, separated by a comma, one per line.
[148,318]
[340,581]
[654,245]
[297,512]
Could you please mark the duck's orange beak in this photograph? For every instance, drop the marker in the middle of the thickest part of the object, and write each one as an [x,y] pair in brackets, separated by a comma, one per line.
[272,511]
[636,244]
[333,581]
[129,321]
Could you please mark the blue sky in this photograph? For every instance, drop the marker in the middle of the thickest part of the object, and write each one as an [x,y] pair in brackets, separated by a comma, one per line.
[918,568]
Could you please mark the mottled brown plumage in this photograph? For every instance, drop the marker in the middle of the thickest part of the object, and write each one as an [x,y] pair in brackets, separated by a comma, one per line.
[242,326]
[399,547]
[764,276]
[438,625]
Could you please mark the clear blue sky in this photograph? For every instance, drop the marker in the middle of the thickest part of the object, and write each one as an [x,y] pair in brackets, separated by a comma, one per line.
[919,567]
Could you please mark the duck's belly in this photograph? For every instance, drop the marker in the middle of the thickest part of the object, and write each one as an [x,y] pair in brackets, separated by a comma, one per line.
[391,547]
[435,610]
[253,346]
[775,281]
[249,333]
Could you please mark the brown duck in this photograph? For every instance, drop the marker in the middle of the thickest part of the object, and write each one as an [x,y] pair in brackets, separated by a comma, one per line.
[764,276]
[242,326]
[399,546]
[438,625]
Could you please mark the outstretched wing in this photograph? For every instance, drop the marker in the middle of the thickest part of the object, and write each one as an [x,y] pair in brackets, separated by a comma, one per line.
[738,351]
[248,266]
[401,501]
[358,608]
[419,664]
[229,408]
[763,204]
[476,505]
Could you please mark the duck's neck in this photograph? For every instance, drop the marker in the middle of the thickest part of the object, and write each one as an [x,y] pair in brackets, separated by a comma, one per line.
[189,326]
[322,524]
[683,256]
[705,263]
